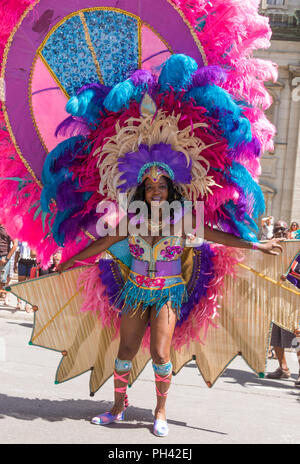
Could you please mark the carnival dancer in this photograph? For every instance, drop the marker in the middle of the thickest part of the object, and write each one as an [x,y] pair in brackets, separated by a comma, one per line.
[155,143]
[155,289]
[153,124]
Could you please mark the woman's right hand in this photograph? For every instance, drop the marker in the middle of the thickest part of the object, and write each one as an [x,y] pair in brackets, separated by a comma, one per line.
[66,265]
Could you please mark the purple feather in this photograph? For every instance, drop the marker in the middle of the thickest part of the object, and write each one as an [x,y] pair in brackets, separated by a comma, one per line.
[69,154]
[197,285]
[131,164]
[67,197]
[71,226]
[112,279]
[72,126]
[143,78]
[209,75]
[100,90]
[246,151]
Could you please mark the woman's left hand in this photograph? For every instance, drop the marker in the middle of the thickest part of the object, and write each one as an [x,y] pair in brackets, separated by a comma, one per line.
[271,247]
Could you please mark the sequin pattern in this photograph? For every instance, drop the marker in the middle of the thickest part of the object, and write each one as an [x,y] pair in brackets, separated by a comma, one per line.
[171,251]
[114,36]
[115,40]
[67,44]
[136,251]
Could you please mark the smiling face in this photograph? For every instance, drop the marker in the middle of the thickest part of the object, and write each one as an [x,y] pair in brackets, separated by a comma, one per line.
[156,191]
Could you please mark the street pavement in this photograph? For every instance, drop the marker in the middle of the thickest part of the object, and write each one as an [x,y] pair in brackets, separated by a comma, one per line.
[240,408]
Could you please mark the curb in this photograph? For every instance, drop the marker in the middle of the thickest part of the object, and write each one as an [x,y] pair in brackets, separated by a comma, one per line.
[12,313]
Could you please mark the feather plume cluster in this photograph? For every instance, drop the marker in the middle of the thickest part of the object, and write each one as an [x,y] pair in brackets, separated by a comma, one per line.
[148,131]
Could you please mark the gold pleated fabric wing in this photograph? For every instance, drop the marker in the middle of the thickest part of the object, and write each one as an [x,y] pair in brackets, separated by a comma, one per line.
[251,302]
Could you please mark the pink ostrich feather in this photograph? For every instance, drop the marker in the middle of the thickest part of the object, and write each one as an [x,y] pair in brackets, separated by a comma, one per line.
[17,210]
[230,32]
[19,206]
[10,13]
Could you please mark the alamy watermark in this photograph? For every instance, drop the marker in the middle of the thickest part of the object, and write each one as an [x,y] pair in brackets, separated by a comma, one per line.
[157,219]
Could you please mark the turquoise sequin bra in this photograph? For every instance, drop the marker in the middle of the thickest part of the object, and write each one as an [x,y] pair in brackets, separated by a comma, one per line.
[155,276]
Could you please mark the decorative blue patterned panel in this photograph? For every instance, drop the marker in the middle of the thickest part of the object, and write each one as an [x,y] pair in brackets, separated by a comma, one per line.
[114,36]
[69,57]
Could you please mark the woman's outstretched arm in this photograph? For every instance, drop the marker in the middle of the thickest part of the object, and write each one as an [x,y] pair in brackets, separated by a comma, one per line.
[271,247]
[93,249]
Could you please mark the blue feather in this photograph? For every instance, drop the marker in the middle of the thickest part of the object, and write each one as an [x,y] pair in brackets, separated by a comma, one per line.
[177,73]
[247,229]
[220,105]
[88,102]
[60,150]
[52,178]
[241,176]
[121,95]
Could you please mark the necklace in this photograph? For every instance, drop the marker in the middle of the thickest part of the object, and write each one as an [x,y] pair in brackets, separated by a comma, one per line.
[154,226]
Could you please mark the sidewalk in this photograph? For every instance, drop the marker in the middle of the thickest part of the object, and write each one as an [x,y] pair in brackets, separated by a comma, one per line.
[240,408]
[10,310]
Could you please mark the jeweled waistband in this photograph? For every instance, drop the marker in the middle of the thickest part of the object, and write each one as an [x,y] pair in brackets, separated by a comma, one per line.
[162,268]
[156,283]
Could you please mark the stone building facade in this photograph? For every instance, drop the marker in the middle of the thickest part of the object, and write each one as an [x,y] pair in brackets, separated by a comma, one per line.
[280,179]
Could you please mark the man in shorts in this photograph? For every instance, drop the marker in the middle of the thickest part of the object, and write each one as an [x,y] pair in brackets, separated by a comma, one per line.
[7,252]
[24,262]
[282,338]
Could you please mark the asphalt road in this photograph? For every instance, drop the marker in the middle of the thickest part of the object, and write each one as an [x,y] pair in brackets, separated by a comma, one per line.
[240,408]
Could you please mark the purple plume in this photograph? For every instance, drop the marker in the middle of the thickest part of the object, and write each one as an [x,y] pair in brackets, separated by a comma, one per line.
[202,276]
[100,90]
[67,197]
[209,75]
[246,150]
[72,126]
[132,162]
[143,78]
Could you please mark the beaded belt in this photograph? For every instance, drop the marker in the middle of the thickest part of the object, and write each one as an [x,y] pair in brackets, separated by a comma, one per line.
[162,268]
[157,283]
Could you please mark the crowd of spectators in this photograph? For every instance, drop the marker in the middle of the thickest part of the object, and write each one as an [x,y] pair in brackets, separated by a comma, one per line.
[18,259]
[278,229]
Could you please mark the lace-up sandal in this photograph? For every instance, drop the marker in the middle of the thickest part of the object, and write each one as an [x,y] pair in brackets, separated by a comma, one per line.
[160,427]
[107,417]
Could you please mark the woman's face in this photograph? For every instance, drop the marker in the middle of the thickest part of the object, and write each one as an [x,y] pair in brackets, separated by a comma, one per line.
[156,191]
[294,226]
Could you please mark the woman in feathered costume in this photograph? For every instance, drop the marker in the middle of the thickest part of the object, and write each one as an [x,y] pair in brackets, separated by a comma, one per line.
[195,133]
[161,156]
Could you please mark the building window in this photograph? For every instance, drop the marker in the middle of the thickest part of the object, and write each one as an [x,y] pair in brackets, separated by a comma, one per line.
[276,2]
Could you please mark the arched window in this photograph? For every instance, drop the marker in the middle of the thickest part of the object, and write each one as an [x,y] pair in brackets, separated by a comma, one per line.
[269,194]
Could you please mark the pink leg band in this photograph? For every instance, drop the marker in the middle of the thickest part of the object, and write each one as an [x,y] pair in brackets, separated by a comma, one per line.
[122,389]
[165,379]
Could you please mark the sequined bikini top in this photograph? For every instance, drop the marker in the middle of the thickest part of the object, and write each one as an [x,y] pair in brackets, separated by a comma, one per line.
[167,249]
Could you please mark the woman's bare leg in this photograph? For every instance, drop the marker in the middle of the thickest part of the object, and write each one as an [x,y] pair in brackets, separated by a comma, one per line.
[20,279]
[132,330]
[162,329]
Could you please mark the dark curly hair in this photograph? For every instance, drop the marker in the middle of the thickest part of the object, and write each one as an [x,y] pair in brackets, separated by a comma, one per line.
[174,193]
